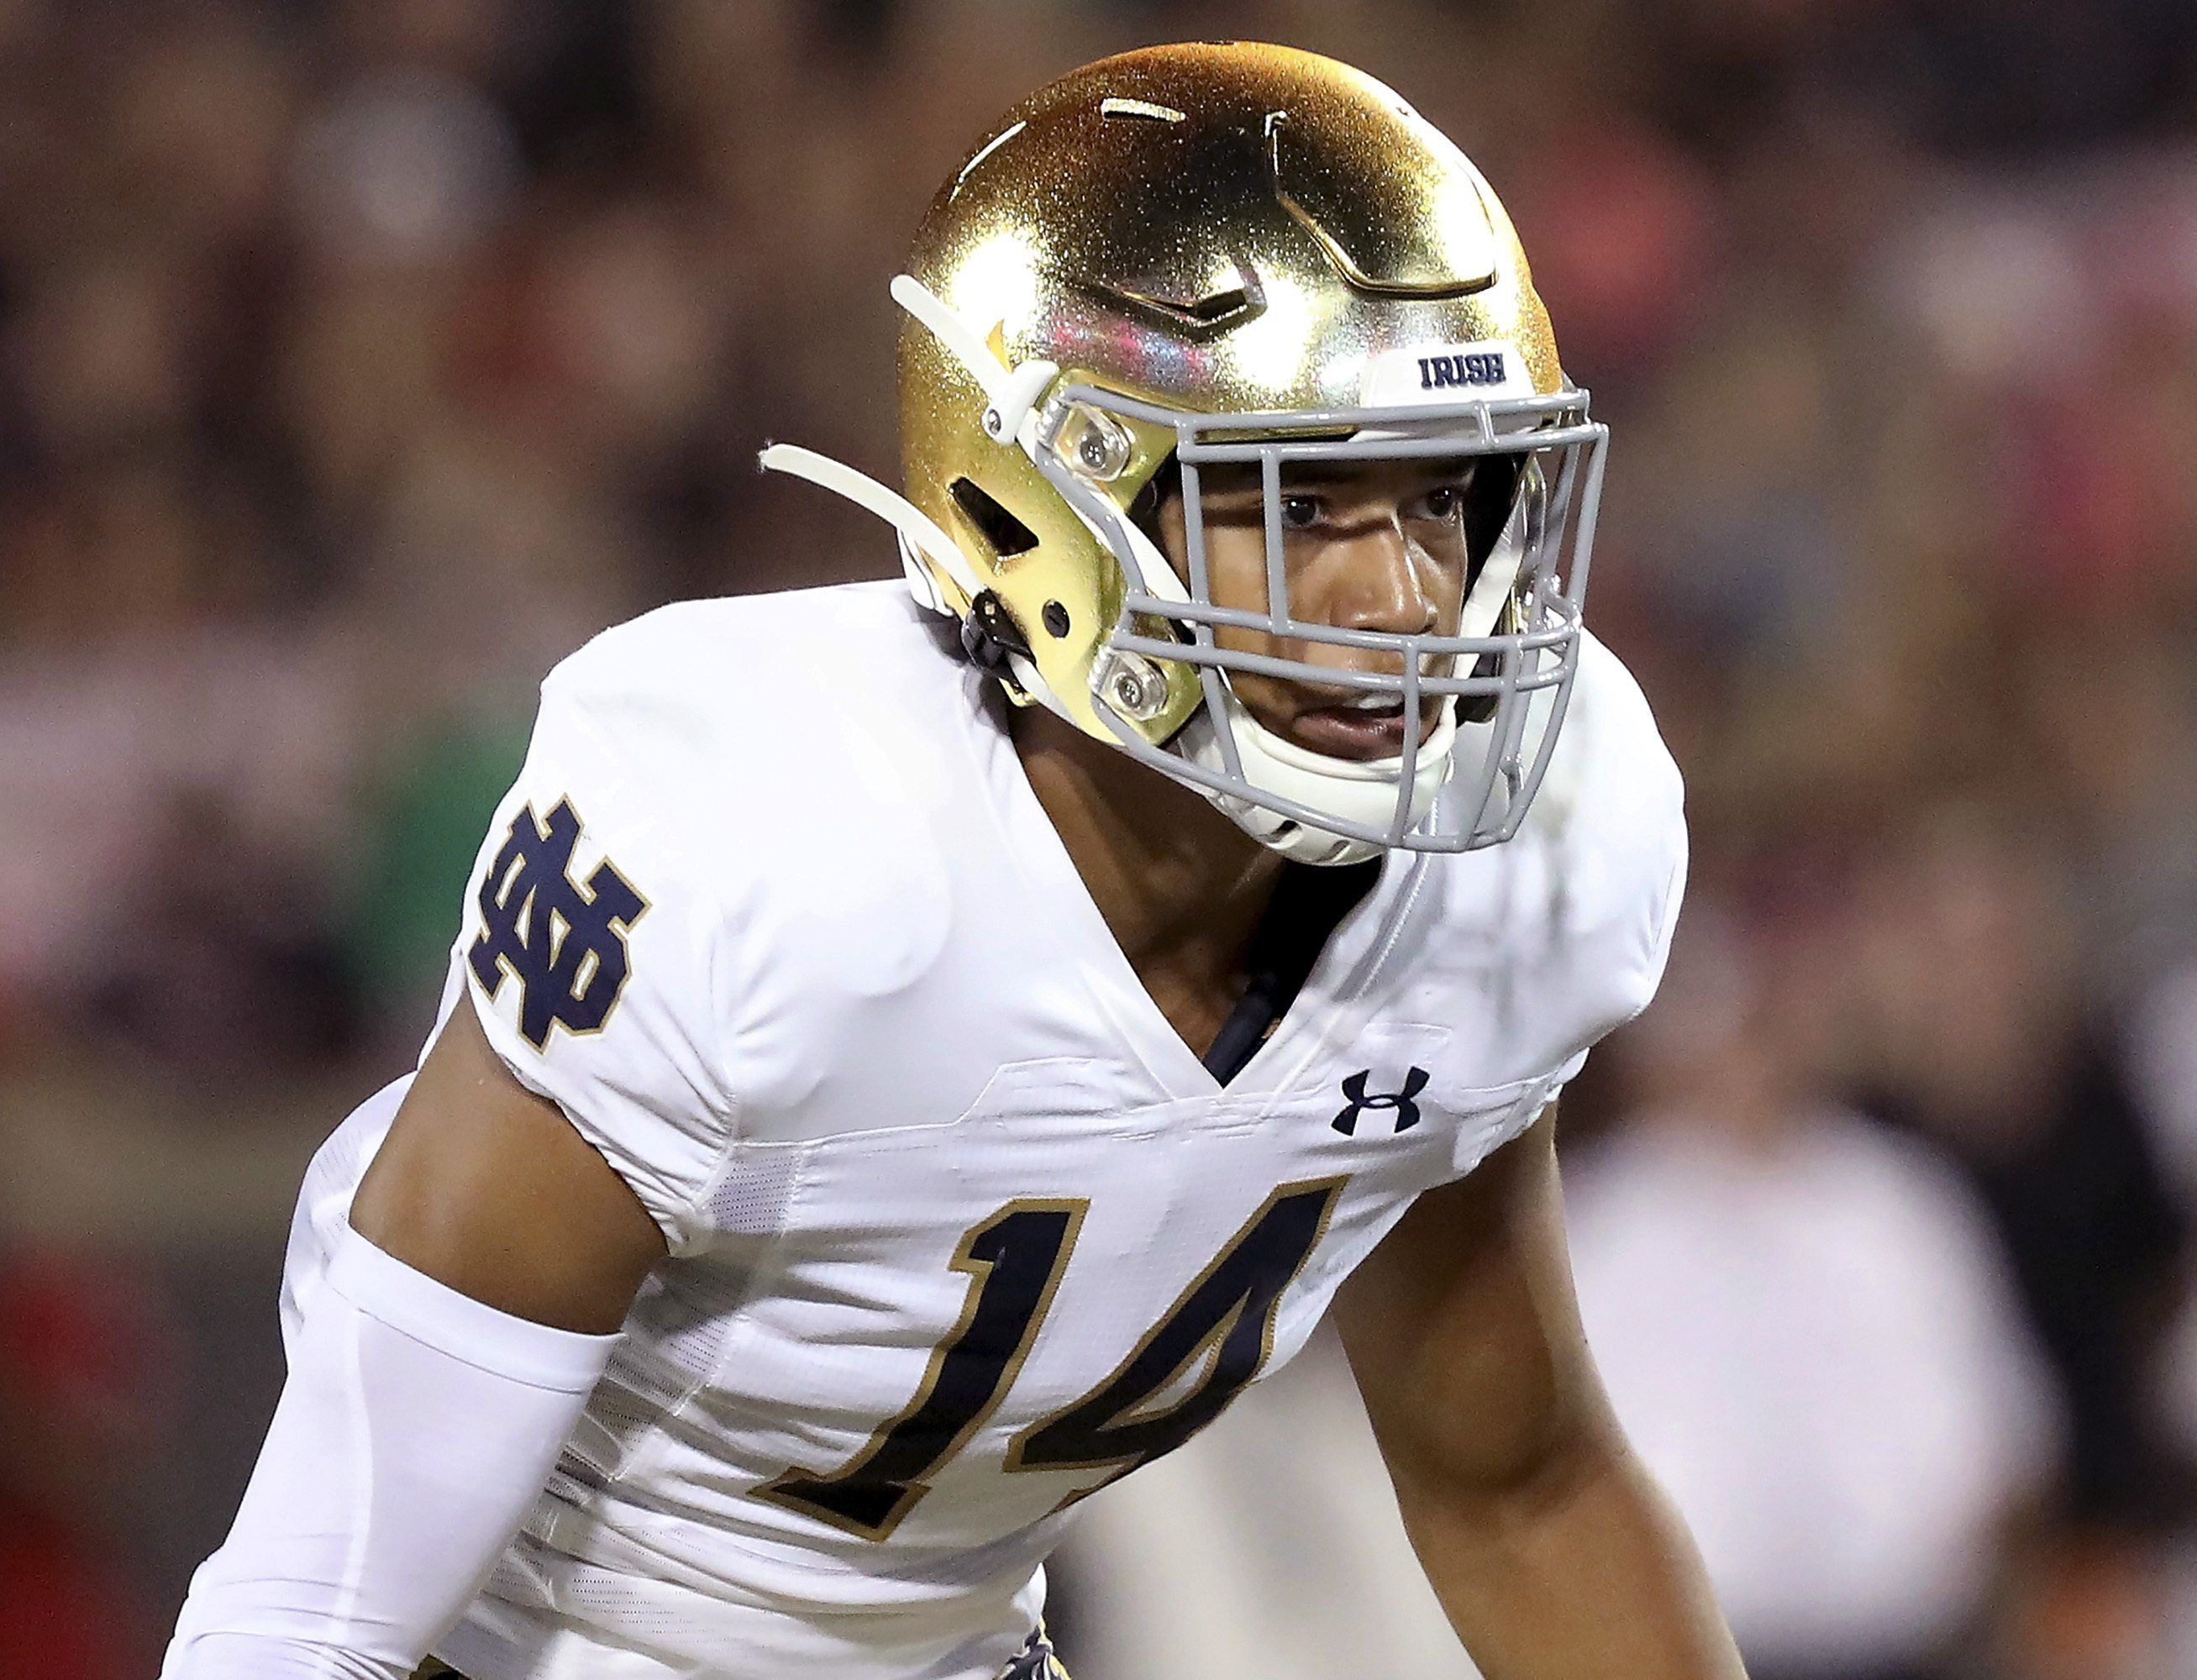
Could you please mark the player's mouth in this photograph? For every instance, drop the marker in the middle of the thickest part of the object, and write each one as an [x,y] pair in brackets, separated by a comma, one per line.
[1366,726]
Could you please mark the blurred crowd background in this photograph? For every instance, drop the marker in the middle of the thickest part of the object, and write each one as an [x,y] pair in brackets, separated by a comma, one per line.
[359,358]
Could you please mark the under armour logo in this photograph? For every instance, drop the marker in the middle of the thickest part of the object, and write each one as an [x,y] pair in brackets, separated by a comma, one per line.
[1407,1112]
[565,946]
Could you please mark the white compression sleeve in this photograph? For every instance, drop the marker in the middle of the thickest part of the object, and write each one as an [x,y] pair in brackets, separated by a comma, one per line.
[414,1434]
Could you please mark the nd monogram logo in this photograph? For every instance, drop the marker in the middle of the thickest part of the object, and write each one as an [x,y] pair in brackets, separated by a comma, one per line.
[1407,1112]
[563,944]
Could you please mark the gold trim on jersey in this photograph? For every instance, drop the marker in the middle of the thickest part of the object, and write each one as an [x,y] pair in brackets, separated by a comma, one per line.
[779,1490]
[1139,1411]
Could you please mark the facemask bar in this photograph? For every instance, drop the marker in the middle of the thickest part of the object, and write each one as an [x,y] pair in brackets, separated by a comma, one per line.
[1549,541]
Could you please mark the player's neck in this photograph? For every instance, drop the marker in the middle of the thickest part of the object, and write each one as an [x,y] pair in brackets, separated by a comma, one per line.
[1181,887]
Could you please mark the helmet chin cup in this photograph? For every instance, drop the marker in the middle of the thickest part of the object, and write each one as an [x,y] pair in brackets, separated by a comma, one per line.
[1357,791]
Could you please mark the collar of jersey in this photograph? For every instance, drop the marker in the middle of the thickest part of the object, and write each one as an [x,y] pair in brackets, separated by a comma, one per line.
[1356,956]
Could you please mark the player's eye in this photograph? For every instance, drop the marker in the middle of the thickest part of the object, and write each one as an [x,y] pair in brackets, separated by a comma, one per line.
[1444,502]
[1300,512]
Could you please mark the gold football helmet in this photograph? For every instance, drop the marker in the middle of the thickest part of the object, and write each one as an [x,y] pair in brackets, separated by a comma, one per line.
[1223,257]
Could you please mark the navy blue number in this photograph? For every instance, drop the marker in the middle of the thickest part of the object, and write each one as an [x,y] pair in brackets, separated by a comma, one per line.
[1014,1260]
[1221,1327]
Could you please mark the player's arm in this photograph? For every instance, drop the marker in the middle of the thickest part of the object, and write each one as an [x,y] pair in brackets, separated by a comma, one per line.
[1554,1553]
[486,1187]
[463,1321]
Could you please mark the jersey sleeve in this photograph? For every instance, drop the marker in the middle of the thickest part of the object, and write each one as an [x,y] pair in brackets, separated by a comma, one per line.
[1632,948]
[1622,864]
[1640,939]
[585,951]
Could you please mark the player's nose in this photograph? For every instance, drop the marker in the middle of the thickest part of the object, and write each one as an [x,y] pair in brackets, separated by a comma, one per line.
[1380,582]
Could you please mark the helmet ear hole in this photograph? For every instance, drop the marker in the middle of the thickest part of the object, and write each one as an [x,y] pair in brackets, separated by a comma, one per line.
[1005,535]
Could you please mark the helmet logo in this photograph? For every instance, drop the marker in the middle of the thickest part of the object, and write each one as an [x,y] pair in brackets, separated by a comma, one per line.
[1485,368]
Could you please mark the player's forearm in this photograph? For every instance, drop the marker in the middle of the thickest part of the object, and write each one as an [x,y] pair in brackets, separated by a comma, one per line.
[1583,1571]
[415,1433]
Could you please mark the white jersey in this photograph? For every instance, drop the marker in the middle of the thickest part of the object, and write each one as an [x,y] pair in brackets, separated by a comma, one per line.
[961,1229]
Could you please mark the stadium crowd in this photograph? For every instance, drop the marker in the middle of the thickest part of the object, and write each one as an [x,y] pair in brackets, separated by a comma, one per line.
[359,358]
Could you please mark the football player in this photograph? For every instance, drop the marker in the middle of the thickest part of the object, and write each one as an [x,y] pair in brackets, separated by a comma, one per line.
[907,1064]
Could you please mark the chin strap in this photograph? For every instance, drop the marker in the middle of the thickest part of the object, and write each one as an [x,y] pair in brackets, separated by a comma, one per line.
[919,534]
[1012,396]
[1011,399]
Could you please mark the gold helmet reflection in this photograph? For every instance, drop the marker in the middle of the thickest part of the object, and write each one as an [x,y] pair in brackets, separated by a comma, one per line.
[1219,228]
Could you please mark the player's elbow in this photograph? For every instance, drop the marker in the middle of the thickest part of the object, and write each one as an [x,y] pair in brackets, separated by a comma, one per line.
[1505,1469]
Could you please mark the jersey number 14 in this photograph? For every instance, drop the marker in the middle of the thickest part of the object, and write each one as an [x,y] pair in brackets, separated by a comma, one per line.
[1223,1323]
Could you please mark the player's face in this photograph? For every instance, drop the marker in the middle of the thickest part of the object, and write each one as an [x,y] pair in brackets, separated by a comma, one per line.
[1366,547]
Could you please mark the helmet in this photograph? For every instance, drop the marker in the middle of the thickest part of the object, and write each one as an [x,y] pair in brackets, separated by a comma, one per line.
[1189,260]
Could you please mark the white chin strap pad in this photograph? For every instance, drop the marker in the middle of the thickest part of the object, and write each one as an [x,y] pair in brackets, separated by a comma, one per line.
[1359,792]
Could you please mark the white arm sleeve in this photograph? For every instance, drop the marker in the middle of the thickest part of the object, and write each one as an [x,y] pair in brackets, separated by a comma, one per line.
[415,1433]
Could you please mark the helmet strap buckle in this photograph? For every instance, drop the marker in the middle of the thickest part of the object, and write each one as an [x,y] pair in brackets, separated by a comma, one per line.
[989,635]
